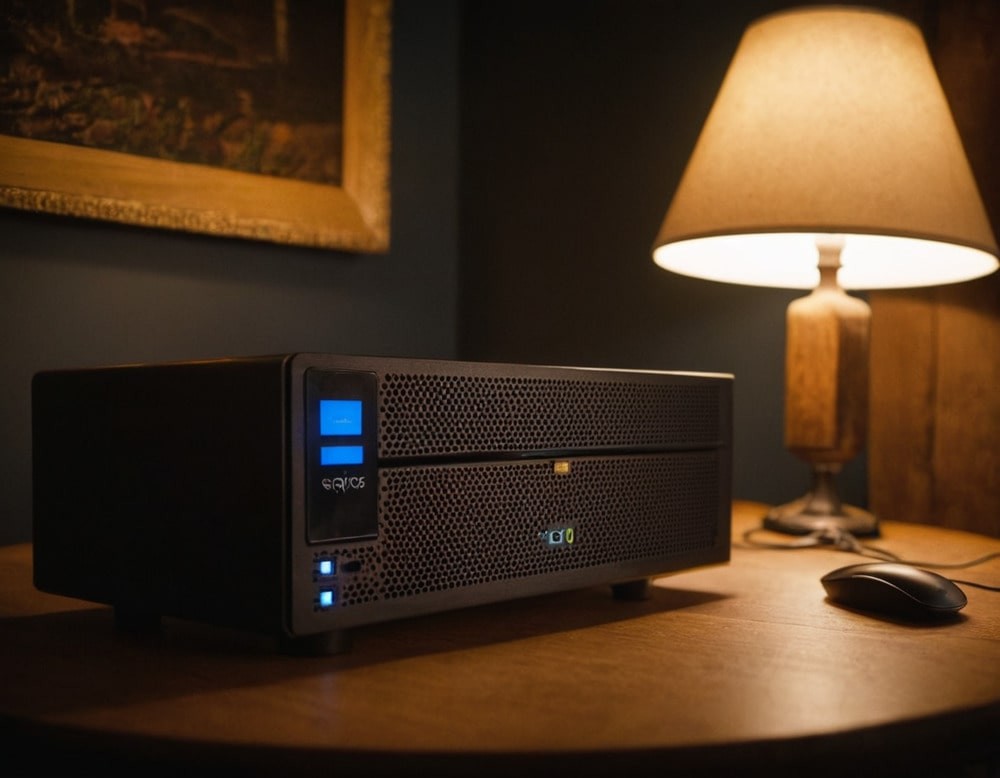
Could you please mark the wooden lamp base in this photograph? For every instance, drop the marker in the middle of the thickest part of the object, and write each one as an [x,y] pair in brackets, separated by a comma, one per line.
[826,398]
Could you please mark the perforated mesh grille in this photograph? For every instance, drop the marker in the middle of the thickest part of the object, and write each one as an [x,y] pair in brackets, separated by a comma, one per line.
[444,528]
[442,415]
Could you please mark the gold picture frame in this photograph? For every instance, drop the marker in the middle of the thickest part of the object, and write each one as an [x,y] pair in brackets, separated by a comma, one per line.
[92,183]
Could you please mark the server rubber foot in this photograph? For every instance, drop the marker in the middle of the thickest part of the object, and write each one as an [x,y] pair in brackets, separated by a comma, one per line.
[631,590]
[336,641]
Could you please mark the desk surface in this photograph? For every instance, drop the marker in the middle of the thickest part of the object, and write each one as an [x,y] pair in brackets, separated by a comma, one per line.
[735,664]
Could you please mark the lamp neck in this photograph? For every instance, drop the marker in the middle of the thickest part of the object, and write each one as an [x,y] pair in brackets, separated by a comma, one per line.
[829,247]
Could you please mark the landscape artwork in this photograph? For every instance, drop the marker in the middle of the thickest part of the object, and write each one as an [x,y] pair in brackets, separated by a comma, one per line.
[250,85]
[262,119]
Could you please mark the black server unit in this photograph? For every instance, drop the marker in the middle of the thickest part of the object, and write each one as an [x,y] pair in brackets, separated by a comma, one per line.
[300,495]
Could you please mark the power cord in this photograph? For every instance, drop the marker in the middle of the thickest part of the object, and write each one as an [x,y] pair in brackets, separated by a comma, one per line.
[843,540]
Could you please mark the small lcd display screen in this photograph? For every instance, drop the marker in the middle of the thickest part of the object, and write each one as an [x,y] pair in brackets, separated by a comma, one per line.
[339,417]
[342,455]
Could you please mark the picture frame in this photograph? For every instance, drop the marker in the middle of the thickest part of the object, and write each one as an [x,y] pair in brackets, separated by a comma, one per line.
[150,192]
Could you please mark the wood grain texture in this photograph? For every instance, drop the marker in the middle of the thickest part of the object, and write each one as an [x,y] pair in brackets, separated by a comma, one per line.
[826,381]
[934,453]
[741,665]
[903,398]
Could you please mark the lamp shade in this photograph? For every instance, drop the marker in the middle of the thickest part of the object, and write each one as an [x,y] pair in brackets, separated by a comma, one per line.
[830,121]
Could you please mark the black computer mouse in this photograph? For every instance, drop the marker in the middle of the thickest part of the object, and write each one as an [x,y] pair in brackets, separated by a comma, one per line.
[894,590]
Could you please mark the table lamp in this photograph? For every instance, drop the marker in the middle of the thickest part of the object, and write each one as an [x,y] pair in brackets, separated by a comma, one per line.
[829,160]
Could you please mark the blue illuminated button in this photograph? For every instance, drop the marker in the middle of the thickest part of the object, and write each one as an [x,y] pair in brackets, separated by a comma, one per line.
[325,567]
[341,455]
[326,598]
[340,417]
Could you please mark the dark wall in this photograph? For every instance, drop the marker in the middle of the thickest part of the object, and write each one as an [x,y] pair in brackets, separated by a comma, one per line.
[77,293]
[578,117]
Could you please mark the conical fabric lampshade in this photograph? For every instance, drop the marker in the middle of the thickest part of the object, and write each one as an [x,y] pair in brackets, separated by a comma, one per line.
[829,121]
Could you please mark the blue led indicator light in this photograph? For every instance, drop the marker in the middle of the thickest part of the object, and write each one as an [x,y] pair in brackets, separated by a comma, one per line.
[326,598]
[326,567]
[342,455]
[340,417]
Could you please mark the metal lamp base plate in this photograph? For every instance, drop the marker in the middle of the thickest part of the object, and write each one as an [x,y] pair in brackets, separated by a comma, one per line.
[796,518]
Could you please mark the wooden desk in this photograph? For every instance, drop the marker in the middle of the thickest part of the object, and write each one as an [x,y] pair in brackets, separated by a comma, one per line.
[725,668]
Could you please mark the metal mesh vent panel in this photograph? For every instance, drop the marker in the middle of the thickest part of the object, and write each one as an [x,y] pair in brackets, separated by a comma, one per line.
[444,528]
[362,586]
[441,415]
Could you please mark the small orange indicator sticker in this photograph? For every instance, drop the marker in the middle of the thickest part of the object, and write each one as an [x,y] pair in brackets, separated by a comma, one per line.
[561,467]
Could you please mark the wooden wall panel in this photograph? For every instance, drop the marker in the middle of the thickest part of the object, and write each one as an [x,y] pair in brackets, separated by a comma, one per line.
[966,455]
[901,435]
[934,445]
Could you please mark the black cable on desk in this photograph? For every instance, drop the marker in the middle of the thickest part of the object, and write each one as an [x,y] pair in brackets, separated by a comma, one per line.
[843,540]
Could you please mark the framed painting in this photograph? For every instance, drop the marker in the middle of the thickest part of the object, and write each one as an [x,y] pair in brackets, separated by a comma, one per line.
[260,119]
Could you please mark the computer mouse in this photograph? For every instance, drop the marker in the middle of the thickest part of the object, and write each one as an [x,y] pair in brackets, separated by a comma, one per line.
[894,590]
